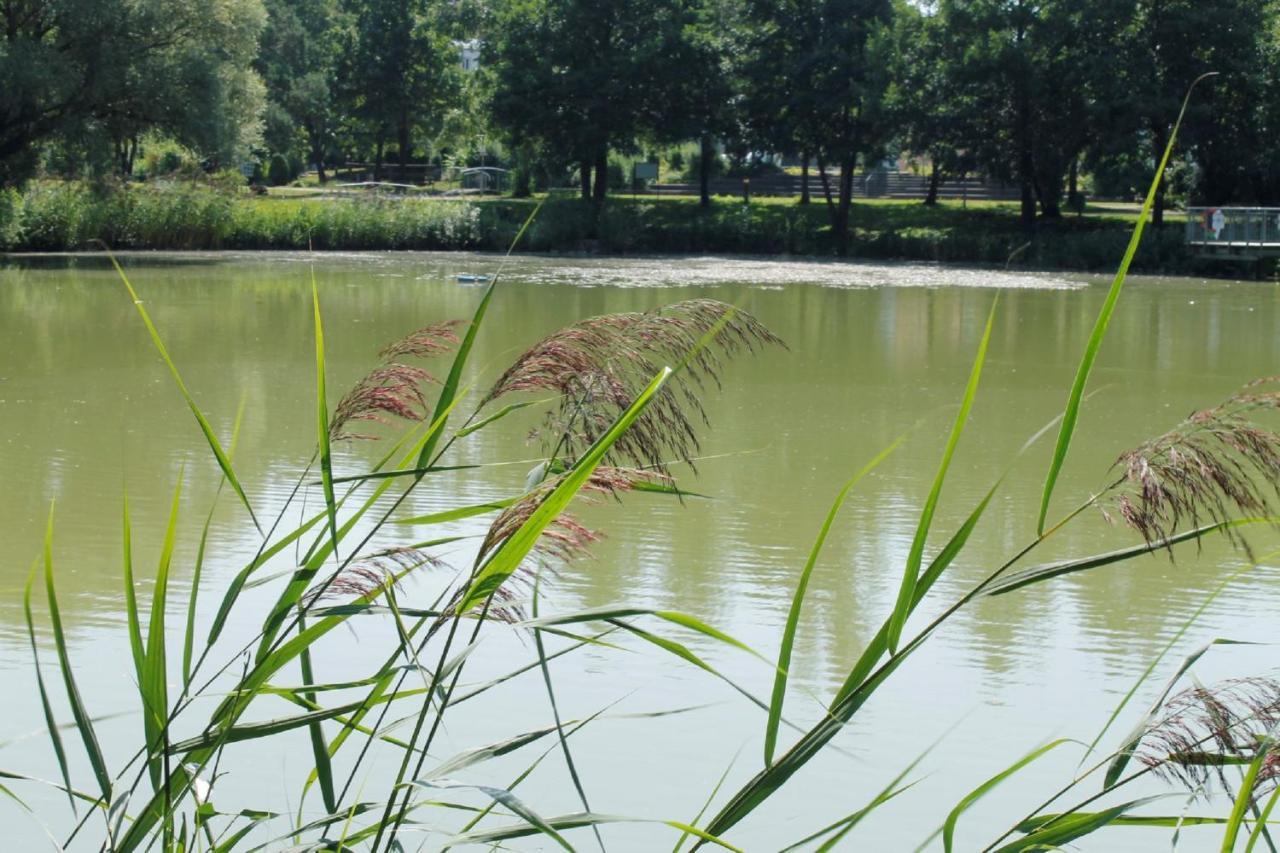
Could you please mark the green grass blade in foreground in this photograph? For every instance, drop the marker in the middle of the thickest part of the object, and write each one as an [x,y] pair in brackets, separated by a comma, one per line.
[506,798]
[797,602]
[508,556]
[906,592]
[1260,824]
[1071,414]
[154,683]
[78,711]
[197,572]
[458,512]
[449,390]
[131,596]
[223,462]
[1047,571]
[948,829]
[54,737]
[322,422]
[319,748]
[1071,827]
[684,836]
[838,830]
[574,821]
[1244,798]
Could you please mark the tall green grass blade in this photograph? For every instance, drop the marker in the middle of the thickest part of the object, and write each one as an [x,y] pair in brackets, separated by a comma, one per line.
[498,415]
[508,556]
[1046,571]
[545,669]
[155,678]
[1244,798]
[1067,828]
[242,577]
[83,721]
[575,821]
[1071,414]
[55,739]
[189,638]
[223,462]
[846,824]
[449,390]
[906,593]
[319,748]
[131,597]
[506,798]
[458,512]
[1169,821]
[949,826]
[797,602]
[322,421]
[1260,825]
[706,804]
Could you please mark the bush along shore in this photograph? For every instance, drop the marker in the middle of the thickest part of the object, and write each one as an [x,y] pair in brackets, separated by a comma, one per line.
[72,216]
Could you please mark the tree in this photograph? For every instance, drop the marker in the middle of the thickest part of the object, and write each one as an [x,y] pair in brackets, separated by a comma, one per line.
[401,72]
[298,62]
[819,72]
[579,77]
[1029,72]
[111,72]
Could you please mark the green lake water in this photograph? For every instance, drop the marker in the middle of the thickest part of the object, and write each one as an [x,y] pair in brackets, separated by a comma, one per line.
[87,410]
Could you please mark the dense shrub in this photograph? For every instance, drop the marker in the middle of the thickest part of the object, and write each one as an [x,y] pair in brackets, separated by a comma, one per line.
[10,219]
[279,172]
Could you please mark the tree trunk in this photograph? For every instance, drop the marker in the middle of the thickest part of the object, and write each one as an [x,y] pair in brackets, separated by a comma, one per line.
[846,202]
[602,174]
[584,176]
[804,178]
[402,139]
[317,152]
[705,153]
[826,182]
[935,180]
[377,163]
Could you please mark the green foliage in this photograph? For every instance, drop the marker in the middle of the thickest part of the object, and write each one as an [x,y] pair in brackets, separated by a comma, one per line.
[279,172]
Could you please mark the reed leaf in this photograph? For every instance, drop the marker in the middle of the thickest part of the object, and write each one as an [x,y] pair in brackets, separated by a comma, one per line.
[797,602]
[134,624]
[1071,414]
[322,420]
[575,821]
[223,461]
[906,593]
[949,826]
[1046,571]
[458,513]
[1260,823]
[55,738]
[1244,797]
[154,684]
[83,721]
[1066,828]
[506,798]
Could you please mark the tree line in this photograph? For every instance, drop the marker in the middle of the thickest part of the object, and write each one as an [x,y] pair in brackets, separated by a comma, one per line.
[1034,93]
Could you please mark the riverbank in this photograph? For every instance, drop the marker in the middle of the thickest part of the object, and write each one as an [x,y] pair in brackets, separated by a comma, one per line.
[52,217]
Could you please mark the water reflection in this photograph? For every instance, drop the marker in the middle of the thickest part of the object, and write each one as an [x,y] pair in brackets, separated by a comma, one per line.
[86,410]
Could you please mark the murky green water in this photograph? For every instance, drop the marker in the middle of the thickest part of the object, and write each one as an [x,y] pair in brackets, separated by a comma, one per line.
[87,409]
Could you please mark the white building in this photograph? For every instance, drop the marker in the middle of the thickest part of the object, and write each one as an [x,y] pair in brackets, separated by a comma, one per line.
[469,51]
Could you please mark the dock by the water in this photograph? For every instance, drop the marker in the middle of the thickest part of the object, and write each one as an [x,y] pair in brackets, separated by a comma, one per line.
[1236,233]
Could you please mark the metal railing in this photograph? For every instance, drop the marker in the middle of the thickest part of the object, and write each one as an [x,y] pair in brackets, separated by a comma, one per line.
[1233,226]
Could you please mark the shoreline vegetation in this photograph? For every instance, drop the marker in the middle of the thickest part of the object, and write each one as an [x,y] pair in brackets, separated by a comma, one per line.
[74,216]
